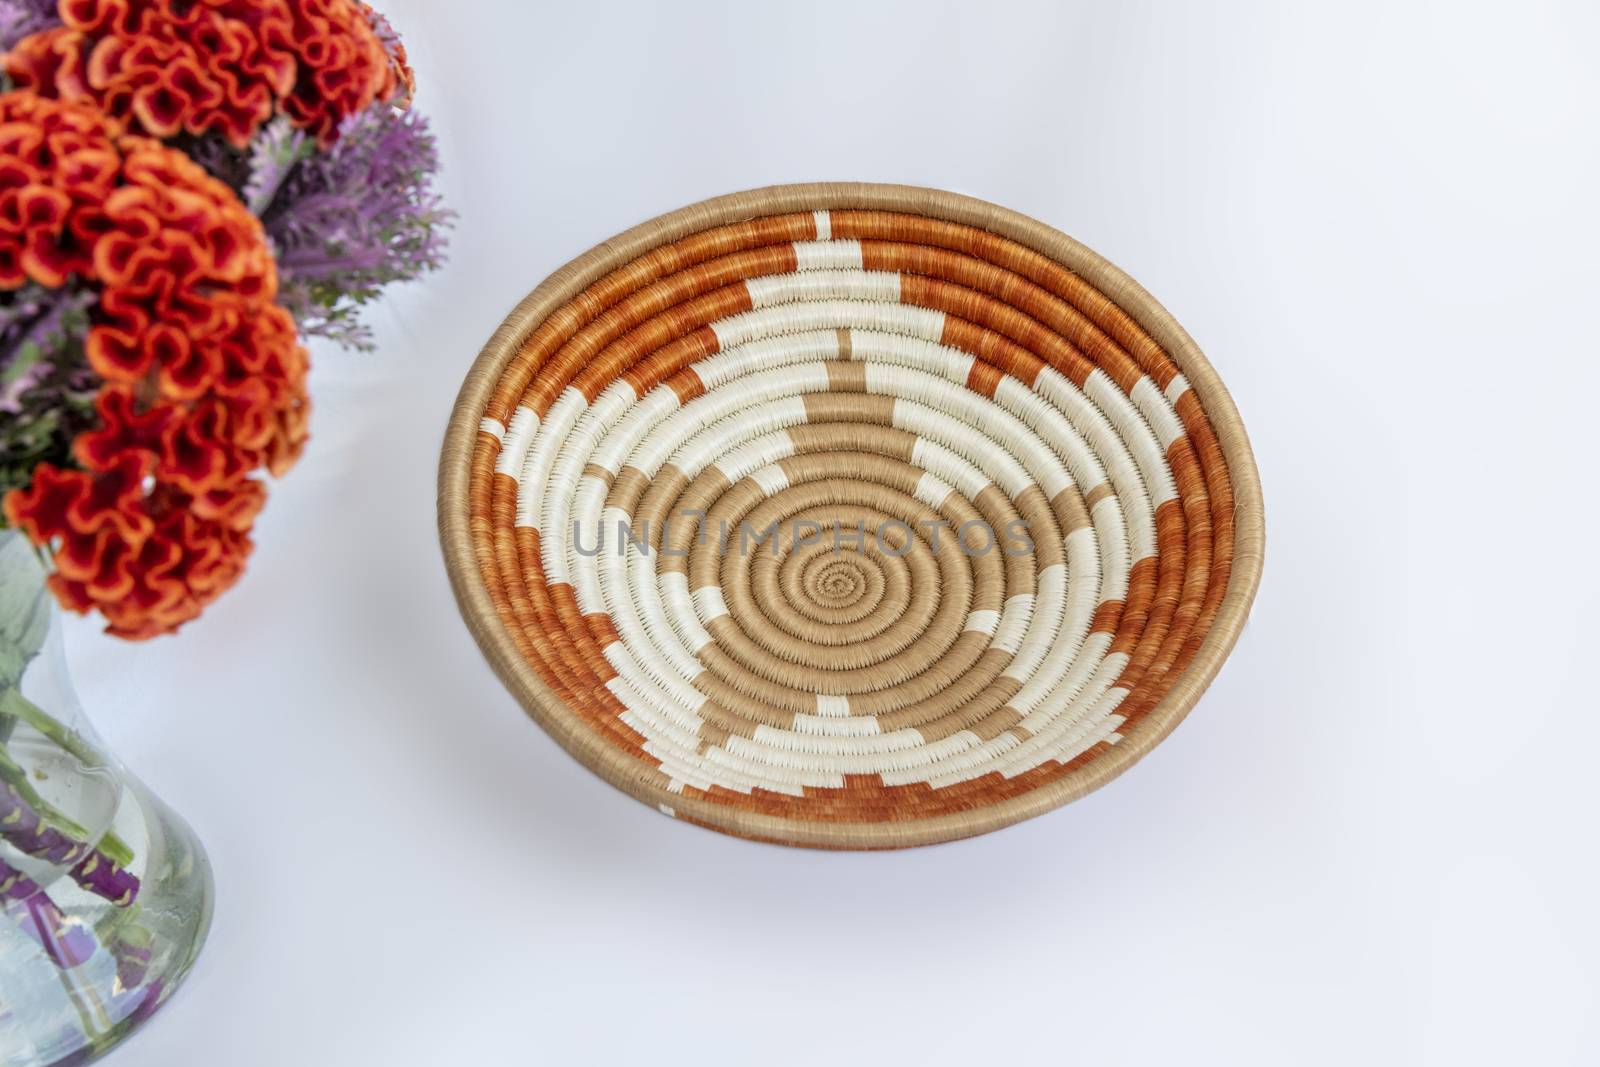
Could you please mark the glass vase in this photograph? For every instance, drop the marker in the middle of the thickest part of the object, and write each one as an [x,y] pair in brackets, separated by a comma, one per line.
[105,894]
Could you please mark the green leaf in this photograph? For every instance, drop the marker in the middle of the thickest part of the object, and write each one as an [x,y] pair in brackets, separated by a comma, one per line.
[24,608]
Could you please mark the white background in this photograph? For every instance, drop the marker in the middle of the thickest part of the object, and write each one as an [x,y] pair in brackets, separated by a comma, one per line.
[1372,841]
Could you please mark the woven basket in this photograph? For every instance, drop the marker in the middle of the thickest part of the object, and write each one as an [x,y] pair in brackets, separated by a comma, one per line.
[851,516]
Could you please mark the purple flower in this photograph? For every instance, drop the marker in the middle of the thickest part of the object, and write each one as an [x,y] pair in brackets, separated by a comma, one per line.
[19,18]
[68,944]
[351,220]
[21,826]
[46,387]
[133,949]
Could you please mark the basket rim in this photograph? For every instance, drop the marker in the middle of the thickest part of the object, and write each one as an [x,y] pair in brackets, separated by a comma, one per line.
[622,770]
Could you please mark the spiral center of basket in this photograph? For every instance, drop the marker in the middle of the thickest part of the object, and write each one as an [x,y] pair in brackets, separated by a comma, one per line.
[838,584]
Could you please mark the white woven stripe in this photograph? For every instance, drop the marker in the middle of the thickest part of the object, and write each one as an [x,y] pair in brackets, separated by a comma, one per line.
[534,466]
[672,719]
[676,749]
[639,592]
[495,428]
[1040,701]
[671,692]
[812,755]
[1014,620]
[972,429]
[818,285]
[920,353]
[1157,410]
[674,589]
[769,353]
[982,621]
[1051,598]
[1070,729]
[1175,389]
[1067,435]
[932,491]
[548,483]
[1056,718]
[595,529]
[612,403]
[828,726]
[771,479]
[833,707]
[824,224]
[901,757]
[646,412]
[665,669]
[761,414]
[514,447]
[949,468]
[746,460]
[708,603]
[1132,505]
[803,751]
[1137,435]
[828,315]
[830,255]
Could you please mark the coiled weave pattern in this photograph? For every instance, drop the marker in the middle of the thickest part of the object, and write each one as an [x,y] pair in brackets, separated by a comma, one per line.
[852,516]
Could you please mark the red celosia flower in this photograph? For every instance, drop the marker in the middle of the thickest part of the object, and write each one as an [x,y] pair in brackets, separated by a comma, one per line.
[205,376]
[201,66]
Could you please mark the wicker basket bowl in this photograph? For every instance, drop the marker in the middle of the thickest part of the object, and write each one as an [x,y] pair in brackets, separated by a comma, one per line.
[849,516]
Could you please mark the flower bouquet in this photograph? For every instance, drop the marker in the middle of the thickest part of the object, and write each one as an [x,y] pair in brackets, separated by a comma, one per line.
[189,189]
